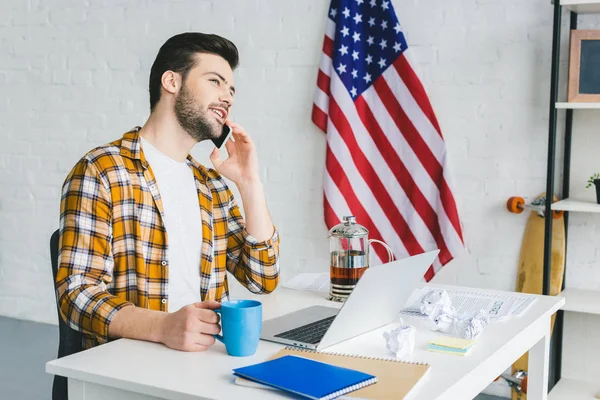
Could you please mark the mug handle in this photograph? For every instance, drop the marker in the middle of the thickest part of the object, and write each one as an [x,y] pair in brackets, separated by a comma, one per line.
[220,338]
[389,250]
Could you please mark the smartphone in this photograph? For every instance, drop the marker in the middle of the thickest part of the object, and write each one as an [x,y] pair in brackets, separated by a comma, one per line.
[225,135]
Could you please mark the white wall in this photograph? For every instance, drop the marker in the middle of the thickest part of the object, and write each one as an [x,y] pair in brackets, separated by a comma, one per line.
[73,75]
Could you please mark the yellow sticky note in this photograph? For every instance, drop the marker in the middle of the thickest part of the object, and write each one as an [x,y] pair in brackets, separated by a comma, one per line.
[452,342]
[454,353]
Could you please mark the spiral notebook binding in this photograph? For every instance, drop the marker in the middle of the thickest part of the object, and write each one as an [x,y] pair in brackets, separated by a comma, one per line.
[300,349]
[352,388]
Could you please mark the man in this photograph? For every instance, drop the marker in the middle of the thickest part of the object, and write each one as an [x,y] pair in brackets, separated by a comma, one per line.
[147,234]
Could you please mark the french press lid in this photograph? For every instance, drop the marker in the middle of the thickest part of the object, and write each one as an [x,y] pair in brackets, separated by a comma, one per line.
[348,229]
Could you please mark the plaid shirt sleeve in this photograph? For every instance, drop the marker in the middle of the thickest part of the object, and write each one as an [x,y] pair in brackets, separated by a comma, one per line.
[85,254]
[254,264]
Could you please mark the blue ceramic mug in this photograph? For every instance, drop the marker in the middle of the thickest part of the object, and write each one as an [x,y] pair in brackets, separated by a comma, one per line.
[241,324]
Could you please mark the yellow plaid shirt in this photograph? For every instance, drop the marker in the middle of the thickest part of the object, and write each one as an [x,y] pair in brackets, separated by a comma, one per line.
[113,243]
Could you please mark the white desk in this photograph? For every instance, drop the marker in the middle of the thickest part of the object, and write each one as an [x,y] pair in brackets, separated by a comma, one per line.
[128,369]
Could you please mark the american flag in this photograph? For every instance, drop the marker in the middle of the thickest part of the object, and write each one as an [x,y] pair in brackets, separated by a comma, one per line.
[386,156]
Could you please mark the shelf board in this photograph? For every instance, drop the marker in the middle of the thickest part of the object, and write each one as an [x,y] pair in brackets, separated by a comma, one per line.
[581,6]
[571,204]
[574,390]
[579,300]
[578,105]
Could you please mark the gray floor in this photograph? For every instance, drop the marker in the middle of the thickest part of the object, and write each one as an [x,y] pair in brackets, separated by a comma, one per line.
[25,347]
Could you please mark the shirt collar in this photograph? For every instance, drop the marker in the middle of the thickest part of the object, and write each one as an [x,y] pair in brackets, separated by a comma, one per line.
[131,147]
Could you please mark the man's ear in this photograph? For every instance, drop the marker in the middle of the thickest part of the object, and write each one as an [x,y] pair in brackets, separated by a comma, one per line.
[171,82]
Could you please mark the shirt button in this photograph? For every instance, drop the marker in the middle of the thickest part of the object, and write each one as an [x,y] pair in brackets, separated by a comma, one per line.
[164,263]
[164,301]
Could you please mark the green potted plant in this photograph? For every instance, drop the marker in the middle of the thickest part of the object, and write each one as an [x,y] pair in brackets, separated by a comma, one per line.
[595,180]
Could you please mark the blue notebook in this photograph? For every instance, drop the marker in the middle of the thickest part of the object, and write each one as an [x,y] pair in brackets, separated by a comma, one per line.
[309,378]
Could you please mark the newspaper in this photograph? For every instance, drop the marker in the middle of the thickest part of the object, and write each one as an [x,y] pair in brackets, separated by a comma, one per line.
[465,302]
[468,302]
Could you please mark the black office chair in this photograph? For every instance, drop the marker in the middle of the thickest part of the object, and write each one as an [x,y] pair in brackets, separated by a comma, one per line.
[70,340]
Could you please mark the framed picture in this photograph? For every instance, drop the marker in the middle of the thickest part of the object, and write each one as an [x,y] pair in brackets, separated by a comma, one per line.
[584,66]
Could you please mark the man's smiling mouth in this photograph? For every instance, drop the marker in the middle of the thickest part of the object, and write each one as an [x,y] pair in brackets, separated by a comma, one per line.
[220,112]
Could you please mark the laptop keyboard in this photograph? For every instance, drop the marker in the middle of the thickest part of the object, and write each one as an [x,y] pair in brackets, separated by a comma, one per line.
[310,333]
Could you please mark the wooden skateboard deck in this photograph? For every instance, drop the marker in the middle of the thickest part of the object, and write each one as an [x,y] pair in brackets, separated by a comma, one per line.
[531,268]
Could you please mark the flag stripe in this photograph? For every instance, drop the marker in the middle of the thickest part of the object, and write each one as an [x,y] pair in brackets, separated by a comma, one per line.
[412,136]
[321,100]
[450,207]
[330,29]
[341,181]
[416,142]
[416,89]
[396,149]
[408,89]
[319,118]
[415,114]
[335,205]
[429,274]
[377,165]
[347,158]
[328,47]
[363,192]
[418,201]
[370,176]
[323,82]
[400,146]
[325,64]
[398,155]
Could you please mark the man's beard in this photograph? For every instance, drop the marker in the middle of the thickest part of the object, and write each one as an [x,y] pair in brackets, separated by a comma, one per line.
[194,120]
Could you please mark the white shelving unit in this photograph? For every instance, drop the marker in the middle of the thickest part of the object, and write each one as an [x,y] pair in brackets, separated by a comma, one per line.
[580,301]
[574,390]
[584,301]
[577,105]
[581,6]
[576,205]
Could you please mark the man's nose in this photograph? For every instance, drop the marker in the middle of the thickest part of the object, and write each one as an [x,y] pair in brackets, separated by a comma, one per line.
[226,97]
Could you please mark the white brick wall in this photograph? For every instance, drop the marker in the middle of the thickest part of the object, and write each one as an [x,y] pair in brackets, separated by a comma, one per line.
[74,74]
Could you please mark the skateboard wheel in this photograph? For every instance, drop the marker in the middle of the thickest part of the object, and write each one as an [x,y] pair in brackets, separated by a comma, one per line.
[524,385]
[515,204]
[556,214]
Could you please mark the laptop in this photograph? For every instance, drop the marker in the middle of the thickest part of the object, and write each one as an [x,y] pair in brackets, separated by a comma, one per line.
[375,301]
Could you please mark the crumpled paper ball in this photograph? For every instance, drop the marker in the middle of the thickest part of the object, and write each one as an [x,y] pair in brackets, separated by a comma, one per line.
[435,300]
[438,307]
[470,327]
[443,317]
[401,340]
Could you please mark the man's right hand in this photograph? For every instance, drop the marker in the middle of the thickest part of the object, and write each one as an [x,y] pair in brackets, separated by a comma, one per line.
[192,327]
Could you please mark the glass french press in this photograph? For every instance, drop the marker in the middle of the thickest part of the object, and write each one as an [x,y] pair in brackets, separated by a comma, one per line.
[349,256]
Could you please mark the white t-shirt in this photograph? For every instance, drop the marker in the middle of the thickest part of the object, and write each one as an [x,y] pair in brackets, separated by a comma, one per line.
[183,222]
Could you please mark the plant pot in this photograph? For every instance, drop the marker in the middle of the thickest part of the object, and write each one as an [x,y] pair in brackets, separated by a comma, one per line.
[597,184]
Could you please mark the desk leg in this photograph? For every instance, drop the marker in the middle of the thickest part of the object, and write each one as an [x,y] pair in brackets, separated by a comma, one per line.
[79,390]
[539,355]
[76,389]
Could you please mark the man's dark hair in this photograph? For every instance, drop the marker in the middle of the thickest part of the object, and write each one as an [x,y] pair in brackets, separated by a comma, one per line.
[178,55]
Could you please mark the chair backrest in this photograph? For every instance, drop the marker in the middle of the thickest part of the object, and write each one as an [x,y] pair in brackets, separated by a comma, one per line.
[70,341]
